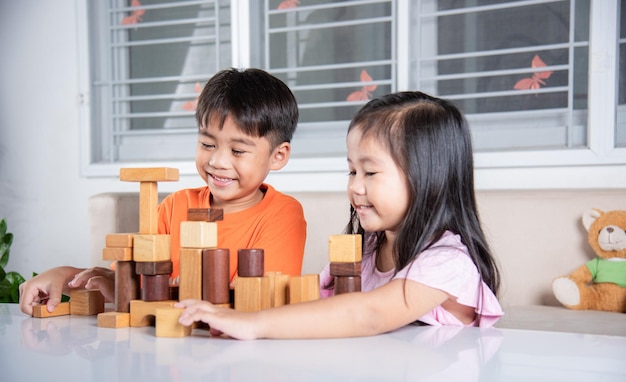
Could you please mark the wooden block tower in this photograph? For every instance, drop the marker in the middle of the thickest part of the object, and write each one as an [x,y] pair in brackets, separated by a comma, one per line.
[252,288]
[345,252]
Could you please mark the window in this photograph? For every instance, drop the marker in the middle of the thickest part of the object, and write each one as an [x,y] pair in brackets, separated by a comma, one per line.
[542,82]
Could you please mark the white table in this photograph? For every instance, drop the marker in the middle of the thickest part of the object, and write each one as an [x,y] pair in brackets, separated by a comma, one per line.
[73,348]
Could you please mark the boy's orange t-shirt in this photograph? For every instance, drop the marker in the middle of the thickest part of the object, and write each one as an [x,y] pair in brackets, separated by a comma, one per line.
[276,225]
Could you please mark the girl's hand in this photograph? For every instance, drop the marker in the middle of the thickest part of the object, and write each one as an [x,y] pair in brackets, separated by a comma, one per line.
[239,325]
[99,278]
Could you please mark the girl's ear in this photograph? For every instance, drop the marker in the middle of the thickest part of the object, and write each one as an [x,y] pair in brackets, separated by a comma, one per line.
[280,156]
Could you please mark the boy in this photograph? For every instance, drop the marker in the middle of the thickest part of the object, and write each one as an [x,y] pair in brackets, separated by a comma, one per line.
[246,121]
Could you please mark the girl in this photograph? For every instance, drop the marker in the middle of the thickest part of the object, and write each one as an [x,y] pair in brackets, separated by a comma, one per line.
[425,257]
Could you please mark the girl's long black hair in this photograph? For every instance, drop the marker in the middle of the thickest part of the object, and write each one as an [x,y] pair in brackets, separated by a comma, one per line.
[430,140]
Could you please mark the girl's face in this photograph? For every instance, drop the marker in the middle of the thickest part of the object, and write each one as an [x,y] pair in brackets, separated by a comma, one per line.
[377,187]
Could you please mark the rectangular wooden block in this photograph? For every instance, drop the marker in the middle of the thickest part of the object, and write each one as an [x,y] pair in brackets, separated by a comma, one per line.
[154,267]
[252,294]
[345,269]
[142,313]
[205,214]
[151,248]
[190,281]
[149,174]
[41,311]
[86,302]
[113,320]
[126,285]
[167,325]
[117,254]
[198,234]
[304,288]
[279,288]
[344,248]
[148,208]
[119,240]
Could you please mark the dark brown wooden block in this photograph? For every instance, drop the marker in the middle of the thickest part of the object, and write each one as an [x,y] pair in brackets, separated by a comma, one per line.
[126,285]
[250,262]
[216,275]
[155,287]
[347,284]
[154,268]
[345,269]
[205,214]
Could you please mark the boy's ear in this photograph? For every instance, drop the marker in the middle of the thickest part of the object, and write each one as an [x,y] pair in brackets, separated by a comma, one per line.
[280,156]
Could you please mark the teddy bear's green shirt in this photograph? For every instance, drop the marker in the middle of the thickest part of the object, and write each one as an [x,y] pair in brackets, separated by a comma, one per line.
[608,271]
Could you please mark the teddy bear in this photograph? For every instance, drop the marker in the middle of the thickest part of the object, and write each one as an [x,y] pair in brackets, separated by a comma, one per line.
[599,284]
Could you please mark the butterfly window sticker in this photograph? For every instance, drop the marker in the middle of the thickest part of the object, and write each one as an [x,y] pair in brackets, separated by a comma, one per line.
[365,93]
[537,80]
[136,16]
[192,105]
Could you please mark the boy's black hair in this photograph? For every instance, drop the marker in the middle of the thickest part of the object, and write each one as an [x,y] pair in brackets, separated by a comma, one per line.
[429,139]
[260,104]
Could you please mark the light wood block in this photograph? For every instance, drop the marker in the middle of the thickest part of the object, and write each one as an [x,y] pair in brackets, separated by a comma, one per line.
[86,302]
[149,174]
[151,248]
[304,288]
[142,313]
[190,281]
[119,240]
[252,294]
[41,311]
[148,208]
[198,234]
[117,254]
[344,248]
[113,320]
[279,288]
[167,324]
[205,214]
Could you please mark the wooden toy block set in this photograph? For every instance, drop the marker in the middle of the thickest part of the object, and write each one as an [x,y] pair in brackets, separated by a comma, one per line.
[143,295]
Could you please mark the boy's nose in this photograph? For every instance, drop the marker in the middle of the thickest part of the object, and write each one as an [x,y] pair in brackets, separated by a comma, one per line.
[217,159]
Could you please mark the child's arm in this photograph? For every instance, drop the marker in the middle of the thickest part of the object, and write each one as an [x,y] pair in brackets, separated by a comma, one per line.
[346,315]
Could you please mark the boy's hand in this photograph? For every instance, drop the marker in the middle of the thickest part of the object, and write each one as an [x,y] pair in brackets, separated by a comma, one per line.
[239,325]
[46,287]
[99,278]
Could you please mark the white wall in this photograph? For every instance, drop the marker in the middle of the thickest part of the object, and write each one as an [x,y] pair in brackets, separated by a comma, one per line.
[42,194]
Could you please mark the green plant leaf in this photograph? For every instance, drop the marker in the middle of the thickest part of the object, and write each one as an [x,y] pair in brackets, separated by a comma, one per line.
[2,274]
[3,227]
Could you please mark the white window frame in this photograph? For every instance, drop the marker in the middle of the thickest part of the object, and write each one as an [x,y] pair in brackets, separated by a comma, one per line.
[599,165]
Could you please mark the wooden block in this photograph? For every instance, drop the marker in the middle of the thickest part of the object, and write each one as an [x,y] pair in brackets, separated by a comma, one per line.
[345,269]
[279,288]
[344,248]
[198,234]
[155,287]
[250,262]
[304,288]
[148,208]
[126,285]
[115,254]
[151,248]
[167,324]
[216,275]
[149,174]
[190,280]
[252,294]
[113,320]
[41,311]
[86,302]
[142,312]
[154,267]
[205,214]
[347,284]
[119,240]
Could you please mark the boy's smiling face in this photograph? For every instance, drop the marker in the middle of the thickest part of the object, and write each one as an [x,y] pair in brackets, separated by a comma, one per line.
[234,164]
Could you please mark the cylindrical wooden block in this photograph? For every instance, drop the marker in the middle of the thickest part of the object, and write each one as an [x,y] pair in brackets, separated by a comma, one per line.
[250,262]
[155,287]
[347,284]
[216,275]
[126,285]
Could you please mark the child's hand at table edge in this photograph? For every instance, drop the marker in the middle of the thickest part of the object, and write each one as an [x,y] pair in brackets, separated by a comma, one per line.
[235,324]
